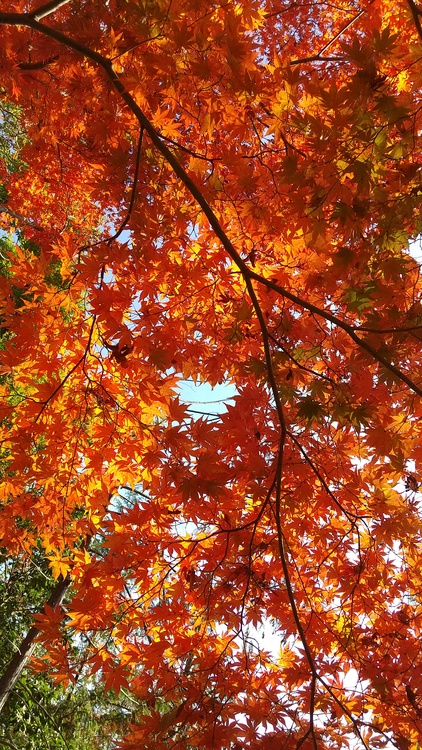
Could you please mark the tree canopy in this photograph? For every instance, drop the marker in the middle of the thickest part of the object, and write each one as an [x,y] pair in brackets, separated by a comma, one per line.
[230,193]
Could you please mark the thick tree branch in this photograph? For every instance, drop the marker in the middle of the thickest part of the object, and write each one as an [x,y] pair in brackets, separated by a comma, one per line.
[26,648]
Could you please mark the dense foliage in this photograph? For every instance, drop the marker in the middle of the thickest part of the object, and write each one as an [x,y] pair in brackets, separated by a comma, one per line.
[228,192]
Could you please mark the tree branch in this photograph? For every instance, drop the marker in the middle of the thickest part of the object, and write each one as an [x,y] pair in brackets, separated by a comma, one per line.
[19,217]
[416,13]
[27,646]
[47,8]
[20,660]
[318,57]
[38,65]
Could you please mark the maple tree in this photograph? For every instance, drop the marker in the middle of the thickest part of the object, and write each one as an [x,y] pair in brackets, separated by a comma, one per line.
[226,192]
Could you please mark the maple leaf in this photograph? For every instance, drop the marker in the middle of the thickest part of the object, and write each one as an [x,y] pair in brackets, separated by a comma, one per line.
[59,566]
[48,624]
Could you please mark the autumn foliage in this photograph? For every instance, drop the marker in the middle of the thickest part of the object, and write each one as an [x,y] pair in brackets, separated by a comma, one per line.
[226,192]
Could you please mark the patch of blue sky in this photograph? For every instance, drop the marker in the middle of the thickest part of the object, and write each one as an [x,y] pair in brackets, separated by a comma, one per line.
[203,399]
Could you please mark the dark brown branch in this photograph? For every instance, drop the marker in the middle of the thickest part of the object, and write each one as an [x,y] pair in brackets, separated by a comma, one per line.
[317,58]
[39,65]
[60,386]
[20,660]
[405,329]
[286,573]
[278,476]
[27,646]
[125,221]
[344,28]
[289,356]
[416,13]
[81,361]
[350,330]
[351,517]
[134,186]
[19,217]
